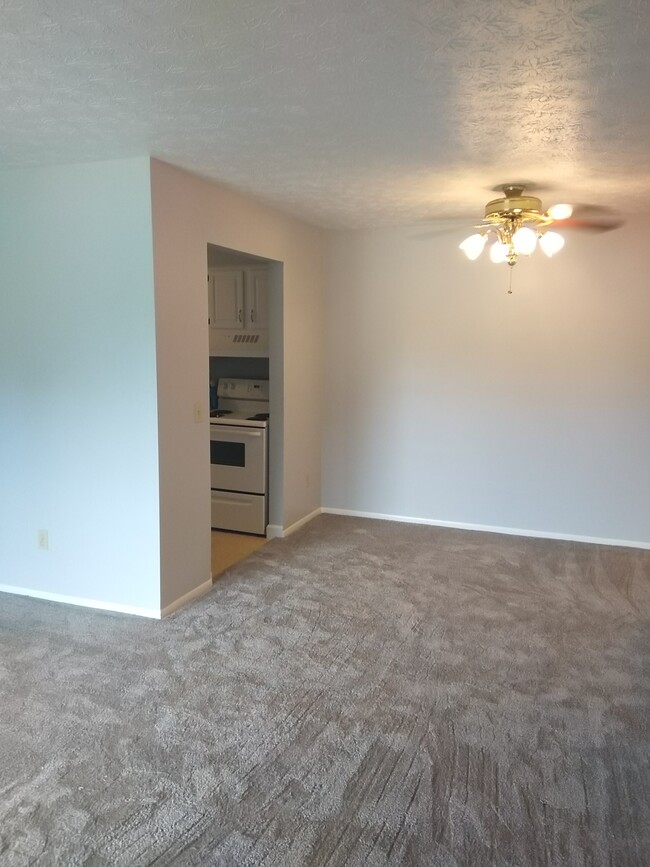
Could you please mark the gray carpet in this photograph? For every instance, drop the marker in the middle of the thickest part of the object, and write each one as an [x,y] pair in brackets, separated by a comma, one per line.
[362,693]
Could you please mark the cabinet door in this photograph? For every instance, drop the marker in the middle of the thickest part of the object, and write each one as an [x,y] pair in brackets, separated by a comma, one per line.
[257,298]
[227,302]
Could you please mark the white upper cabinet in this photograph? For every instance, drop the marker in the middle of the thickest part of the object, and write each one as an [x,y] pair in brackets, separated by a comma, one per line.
[257,297]
[238,311]
[226,299]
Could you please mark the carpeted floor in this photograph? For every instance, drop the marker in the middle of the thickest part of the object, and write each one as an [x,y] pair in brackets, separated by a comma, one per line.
[361,693]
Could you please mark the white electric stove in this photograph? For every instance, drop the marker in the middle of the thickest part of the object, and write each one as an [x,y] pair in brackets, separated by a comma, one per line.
[239,456]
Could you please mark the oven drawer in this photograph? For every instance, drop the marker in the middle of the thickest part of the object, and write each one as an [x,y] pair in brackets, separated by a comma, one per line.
[243,513]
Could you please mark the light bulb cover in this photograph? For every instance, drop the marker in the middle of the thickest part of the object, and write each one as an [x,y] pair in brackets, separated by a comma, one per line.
[498,252]
[524,240]
[472,247]
[561,211]
[551,243]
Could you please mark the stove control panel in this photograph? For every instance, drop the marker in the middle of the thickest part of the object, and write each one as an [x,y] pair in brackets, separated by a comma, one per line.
[244,389]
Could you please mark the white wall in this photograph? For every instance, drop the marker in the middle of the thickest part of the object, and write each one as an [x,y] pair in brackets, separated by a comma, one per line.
[78,429]
[189,213]
[450,400]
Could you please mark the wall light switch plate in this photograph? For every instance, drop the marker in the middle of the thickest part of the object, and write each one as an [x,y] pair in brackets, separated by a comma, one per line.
[43,540]
[198,412]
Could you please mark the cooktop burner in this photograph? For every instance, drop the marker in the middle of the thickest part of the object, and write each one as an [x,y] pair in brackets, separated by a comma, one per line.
[261,416]
[219,413]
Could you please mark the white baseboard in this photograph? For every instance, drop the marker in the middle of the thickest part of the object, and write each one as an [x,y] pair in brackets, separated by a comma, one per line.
[301,523]
[485,528]
[276,531]
[152,613]
[183,600]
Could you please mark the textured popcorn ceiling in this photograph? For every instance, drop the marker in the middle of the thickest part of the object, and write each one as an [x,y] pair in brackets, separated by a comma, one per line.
[344,112]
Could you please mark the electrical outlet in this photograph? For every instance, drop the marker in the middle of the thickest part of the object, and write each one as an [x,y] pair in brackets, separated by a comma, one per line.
[42,540]
[198,412]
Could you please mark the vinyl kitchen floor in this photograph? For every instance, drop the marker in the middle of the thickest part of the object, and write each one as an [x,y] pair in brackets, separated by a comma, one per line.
[230,548]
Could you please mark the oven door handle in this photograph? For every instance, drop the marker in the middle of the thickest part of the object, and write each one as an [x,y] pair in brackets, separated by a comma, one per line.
[239,433]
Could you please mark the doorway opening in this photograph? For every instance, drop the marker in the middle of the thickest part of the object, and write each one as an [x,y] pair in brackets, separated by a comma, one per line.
[245,310]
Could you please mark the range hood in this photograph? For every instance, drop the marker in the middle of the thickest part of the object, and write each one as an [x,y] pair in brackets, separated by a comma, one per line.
[239,343]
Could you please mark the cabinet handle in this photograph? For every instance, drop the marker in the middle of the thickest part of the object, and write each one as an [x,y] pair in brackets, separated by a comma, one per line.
[252,315]
[240,314]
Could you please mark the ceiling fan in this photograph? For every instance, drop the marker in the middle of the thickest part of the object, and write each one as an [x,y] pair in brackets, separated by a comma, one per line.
[518,223]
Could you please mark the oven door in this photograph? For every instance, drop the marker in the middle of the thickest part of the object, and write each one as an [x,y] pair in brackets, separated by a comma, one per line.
[238,458]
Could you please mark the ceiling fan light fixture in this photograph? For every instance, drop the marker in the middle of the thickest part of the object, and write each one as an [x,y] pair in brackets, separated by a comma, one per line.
[473,246]
[519,221]
[561,211]
[524,241]
[551,243]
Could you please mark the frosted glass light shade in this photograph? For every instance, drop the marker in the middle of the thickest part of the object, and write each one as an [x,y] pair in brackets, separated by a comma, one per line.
[524,240]
[560,212]
[551,243]
[498,252]
[472,247]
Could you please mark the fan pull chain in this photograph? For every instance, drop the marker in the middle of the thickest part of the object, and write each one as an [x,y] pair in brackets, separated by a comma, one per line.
[510,282]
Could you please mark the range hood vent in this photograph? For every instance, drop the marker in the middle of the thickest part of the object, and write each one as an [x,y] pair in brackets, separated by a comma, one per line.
[239,343]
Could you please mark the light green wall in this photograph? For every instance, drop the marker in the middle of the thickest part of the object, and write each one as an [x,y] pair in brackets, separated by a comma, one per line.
[78,407]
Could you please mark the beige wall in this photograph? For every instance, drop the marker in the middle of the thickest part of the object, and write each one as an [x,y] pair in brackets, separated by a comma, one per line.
[189,213]
[451,401]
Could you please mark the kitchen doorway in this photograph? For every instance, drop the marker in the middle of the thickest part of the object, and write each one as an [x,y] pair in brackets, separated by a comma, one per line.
[245,312]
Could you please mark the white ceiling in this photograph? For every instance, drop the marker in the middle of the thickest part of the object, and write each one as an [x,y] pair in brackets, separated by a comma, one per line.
[344,112]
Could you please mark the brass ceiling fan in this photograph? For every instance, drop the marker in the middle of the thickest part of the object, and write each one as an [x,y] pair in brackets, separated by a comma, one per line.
[518,223]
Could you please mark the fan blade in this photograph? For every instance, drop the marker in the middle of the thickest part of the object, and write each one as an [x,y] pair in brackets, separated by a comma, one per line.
[593,218]
[446,226]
